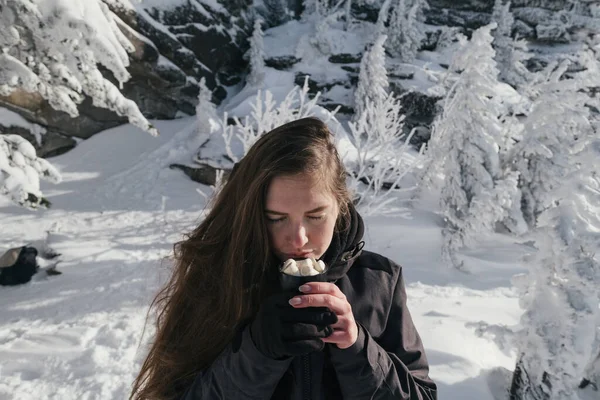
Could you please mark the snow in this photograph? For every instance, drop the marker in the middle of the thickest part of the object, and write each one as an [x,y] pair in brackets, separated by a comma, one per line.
[115,218]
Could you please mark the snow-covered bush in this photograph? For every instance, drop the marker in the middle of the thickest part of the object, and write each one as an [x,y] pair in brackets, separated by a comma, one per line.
[257,56]
[54,48]
[266,115]
[20,172]
[372,79]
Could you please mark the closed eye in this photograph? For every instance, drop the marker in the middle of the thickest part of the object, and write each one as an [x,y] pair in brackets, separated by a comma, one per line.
[316,218]
[275,220]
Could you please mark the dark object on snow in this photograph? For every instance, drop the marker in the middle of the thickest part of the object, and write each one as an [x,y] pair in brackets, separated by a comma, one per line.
[23,267]
[204,173]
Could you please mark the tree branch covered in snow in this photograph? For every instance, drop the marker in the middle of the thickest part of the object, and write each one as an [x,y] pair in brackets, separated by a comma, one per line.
[20,172]
[266,115]
[53,47]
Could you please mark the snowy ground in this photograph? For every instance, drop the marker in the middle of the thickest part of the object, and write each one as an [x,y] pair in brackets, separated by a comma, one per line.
[115,218]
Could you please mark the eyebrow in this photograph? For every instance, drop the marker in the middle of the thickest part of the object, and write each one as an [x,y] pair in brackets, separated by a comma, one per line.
[314,210]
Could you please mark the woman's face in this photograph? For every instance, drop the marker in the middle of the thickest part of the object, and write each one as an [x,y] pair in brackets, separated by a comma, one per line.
[300,215]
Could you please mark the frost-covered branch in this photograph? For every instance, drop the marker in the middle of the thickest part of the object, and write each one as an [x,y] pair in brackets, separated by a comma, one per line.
[266,115]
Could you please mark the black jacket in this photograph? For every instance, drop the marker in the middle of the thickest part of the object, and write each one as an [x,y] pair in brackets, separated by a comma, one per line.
[386,362]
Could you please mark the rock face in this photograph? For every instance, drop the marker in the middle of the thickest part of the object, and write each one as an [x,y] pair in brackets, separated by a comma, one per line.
[174,49]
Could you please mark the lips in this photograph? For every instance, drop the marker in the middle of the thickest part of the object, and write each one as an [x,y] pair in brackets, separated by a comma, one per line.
[298,255]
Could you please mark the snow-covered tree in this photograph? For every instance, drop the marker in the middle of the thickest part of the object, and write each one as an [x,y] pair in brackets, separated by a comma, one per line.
[372,79]
[560,294]
[54,48]
[555,123]
[476,191]
[206,112]
[20,172]
[557,159]
[277,11]
[510,53]
[257,56]
[381,159]
[404,34]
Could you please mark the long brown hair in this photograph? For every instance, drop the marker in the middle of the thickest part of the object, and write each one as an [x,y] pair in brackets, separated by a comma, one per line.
[224,268]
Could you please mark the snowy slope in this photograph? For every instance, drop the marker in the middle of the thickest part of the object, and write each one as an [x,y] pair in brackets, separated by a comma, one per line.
[115,218]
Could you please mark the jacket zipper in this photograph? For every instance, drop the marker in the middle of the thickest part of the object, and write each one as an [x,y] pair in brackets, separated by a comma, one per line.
[306,362]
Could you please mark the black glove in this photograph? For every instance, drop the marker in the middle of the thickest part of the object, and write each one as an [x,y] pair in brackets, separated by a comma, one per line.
[280,330]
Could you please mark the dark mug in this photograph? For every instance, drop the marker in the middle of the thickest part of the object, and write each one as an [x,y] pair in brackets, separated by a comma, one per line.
[291,282]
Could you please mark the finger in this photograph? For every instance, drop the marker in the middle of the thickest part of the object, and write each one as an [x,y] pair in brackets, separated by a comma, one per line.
[336,337]
[322,288]
[335,304]
[310,315]
[294,332]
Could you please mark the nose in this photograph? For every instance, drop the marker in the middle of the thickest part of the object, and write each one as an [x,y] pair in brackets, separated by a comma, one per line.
[298,236]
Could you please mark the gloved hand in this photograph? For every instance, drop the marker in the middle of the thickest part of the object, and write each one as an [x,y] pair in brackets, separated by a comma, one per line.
[280,330]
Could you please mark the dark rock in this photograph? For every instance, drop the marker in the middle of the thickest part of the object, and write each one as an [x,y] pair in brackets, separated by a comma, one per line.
[463,5]
[37,110]
[532,15]
[51,143]
[553,5]
[400,75]
[468,20]
[345,58]
[535,64]
[353,70]
[552,33]
[281,63]
[204,173]
[419,110]
[522,30]
[431,39]
[343,108]
[313,86]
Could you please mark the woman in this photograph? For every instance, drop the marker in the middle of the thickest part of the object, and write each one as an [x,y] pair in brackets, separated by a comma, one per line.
[226,329]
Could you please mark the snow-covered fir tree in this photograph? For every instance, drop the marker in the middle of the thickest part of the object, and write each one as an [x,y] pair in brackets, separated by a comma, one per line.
[560,293]
[21,170]
[465,147]
[276,11]
[404,33]
[556,121]
[206,112]
[510,53]
[372,79]
[54,48]
[257,56]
